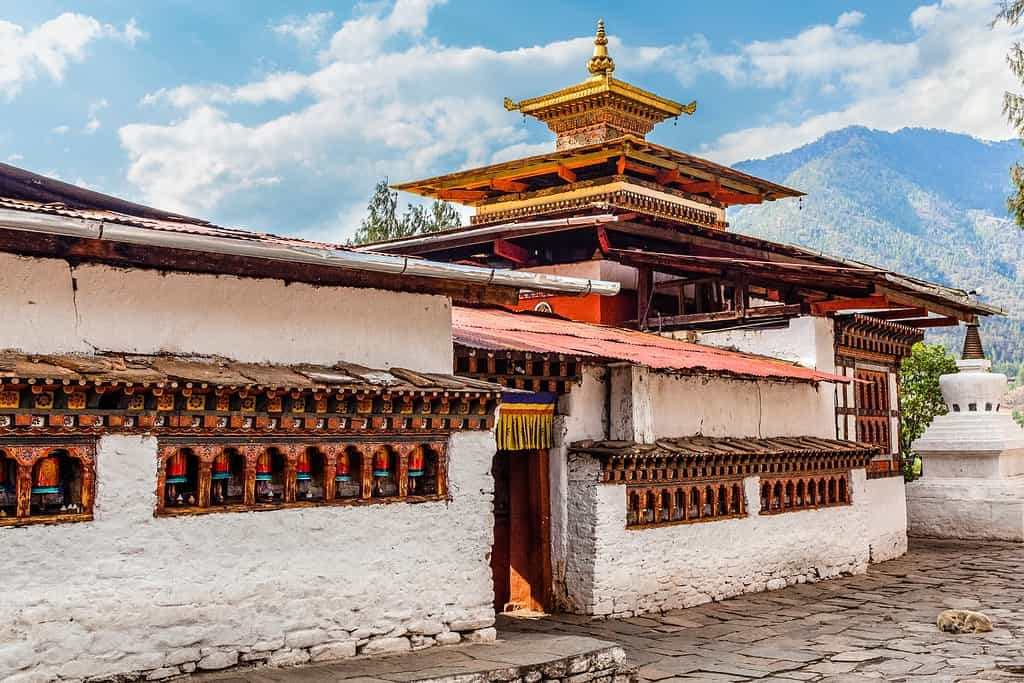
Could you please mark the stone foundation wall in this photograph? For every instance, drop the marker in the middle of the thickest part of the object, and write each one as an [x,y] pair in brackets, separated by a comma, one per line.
[612,571]
[129,593]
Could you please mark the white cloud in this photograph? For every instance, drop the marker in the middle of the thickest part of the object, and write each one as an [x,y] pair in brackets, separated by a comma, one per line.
[367,34]
[15,158]
[343,129]
[95,107]
[950,74]
[307,31]
[389,99]
[51,46]
[62,129]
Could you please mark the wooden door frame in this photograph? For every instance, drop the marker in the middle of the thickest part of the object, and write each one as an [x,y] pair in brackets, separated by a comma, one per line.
[529,536]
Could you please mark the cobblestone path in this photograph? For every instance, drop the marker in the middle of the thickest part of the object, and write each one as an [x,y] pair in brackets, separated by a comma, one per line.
[880,626]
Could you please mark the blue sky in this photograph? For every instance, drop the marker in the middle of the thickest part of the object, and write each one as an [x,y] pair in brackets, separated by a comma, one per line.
[282,117]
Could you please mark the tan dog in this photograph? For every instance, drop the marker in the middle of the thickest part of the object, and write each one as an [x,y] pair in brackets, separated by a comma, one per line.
[963,621]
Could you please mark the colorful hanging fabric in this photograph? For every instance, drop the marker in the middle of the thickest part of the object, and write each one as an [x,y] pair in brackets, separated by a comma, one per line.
[526,420]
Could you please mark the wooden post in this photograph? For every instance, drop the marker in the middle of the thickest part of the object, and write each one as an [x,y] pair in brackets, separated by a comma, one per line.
[330,454]
[366,452]
[205,470]
[251,454]
[644,294]
[291,453]
[402,451]
[87,461]
[24,489]
[442,468]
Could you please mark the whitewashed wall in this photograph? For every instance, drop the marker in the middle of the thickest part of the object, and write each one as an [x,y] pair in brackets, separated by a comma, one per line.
[582,415]
[129,592]
[807,341]
[639,571]
[887,520]
[50,307]
[647,405]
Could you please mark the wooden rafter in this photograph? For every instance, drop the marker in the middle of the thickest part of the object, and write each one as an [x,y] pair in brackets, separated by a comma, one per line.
[833,305]
[462,195]
[942,321]
[899,313]
[511,251]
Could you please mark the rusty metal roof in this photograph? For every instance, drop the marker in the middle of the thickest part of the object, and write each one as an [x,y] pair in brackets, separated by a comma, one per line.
[500,330]
[171,370]
[164,224]
[704,446]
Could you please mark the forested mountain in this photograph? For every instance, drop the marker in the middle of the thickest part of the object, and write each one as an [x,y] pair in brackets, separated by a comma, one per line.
[923,202]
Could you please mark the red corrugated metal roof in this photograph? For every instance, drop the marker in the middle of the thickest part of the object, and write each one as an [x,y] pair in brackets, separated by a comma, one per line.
[498,329]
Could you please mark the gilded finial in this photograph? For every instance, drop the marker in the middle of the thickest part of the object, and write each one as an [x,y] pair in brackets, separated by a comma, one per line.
[600,63]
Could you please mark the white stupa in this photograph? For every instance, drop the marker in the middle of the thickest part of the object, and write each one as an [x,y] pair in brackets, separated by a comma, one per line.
[973,459]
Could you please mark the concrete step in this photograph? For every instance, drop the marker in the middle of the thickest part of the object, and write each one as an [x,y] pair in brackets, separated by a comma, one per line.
[514,658]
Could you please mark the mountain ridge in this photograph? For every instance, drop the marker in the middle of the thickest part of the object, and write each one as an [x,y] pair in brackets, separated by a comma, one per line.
[924,202]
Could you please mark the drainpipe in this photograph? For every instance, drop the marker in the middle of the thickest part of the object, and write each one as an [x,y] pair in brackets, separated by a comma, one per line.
[85,228]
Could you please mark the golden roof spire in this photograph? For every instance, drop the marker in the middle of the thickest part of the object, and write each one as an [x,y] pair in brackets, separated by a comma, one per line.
[600,63]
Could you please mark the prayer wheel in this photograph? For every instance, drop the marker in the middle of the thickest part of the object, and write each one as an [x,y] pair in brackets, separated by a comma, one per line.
[176,469]
[381,463]
[416,463]
[302,471]
[221,467]
[263,467]
[47,476]
[343,468]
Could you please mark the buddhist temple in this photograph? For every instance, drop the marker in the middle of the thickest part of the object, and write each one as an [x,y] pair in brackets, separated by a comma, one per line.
[607,203]
[222,448]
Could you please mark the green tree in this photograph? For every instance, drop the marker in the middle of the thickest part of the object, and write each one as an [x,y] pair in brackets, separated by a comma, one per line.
[1012,11]
[920,397]
[383,222]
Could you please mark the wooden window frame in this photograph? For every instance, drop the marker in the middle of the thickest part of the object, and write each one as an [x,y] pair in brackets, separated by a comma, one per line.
[26,457]
[207,453]
[773,505]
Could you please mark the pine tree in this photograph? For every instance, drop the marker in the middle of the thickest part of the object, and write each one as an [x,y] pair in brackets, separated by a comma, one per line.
[383,222]
[1012,11]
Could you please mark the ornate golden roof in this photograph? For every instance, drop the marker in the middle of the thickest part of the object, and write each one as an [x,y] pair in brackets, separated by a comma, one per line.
[600,108]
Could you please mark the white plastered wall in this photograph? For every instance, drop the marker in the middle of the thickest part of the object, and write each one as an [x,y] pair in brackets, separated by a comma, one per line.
[609,570]
[129,592]
[656,569]
[582,415]
[887,518]
[50,307]
[807,341]
[662,405]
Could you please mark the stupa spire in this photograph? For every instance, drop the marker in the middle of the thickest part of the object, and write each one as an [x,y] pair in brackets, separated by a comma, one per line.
[600,63]
[973,349]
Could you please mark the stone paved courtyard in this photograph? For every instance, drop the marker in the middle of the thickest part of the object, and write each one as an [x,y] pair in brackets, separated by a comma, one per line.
[880,626]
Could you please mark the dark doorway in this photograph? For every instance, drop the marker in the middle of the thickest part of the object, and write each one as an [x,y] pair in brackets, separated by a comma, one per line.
[521,557]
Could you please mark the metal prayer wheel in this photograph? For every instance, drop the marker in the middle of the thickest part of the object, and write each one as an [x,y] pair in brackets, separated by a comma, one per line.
[343,468]
[263,467]
[302,469]
[176,465]
[381,463]
[47,476]
[416,463]
[221,467]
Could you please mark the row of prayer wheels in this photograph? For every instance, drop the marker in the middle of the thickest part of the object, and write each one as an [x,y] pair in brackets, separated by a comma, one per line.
[177,463]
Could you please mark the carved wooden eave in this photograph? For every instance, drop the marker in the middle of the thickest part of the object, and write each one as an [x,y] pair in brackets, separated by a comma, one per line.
[81,394]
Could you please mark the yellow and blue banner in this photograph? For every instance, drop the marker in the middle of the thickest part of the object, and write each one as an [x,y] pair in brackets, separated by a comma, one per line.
[526,420]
